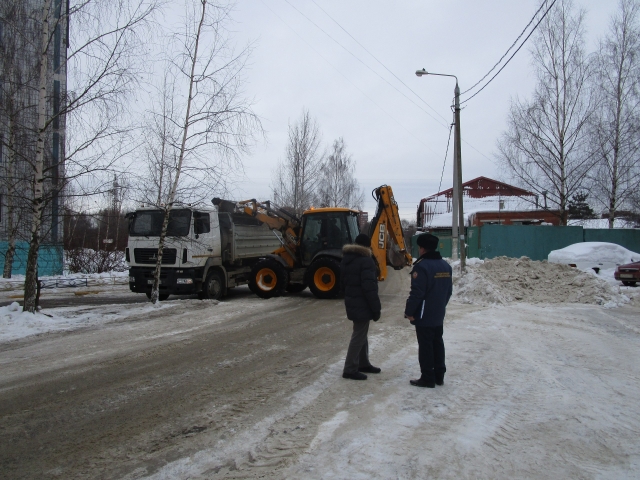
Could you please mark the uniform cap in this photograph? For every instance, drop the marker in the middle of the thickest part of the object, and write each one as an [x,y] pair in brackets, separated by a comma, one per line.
[428,241]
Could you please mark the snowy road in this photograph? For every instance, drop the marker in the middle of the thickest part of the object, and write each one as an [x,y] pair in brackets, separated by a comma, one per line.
[252,388]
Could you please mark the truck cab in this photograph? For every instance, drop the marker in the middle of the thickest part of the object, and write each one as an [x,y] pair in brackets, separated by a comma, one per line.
[192,237]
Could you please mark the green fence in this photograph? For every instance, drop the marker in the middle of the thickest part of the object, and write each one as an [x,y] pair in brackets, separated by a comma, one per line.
[535,242]
[50,260]
[629,238]
[444,247]
[525,240]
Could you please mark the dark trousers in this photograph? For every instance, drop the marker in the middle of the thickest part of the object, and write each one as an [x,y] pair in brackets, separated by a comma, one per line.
[431,353]
[358,352]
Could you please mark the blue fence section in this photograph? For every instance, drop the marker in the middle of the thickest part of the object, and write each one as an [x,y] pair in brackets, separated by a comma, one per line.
[50,259]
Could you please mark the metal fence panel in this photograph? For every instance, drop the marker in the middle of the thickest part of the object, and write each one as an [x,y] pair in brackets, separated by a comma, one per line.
[444,246]
[473,242]
[629,238]
[49,259]
[530,241]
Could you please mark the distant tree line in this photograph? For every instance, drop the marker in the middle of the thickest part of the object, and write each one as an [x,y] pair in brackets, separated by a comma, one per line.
[578,135]
[312,176]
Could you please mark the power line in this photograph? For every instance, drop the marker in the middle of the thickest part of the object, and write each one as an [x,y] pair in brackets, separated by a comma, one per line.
[395,76]
[367,66]
[345,77]
[514,54]
[446,153]
[376,59]
[508,50]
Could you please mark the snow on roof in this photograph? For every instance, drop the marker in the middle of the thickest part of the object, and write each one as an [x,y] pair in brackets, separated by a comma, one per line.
[600,223]
[442,218]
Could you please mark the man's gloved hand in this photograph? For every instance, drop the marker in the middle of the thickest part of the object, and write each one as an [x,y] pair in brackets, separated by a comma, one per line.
[376,316]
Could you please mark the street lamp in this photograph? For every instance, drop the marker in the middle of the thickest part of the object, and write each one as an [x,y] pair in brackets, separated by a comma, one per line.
[457,235]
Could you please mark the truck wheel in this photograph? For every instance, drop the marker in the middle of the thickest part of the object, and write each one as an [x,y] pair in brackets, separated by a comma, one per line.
[296,287]
[323,277]
[212,287]
[268,278]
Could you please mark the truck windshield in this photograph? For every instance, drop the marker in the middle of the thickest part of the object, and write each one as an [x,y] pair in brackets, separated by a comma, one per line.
[148,223]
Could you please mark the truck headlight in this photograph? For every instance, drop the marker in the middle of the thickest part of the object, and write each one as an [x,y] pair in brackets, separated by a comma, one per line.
[184,281]
[132,279]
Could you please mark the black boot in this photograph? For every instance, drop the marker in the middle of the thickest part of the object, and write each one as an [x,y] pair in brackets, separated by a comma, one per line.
[422,383]
[354,376]
[370,369]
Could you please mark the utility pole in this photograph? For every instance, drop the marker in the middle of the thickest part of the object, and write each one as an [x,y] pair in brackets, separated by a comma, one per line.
[458,240]
[458,180]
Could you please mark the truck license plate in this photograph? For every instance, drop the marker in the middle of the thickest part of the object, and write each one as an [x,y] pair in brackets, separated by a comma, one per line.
[626,275]
[150,282]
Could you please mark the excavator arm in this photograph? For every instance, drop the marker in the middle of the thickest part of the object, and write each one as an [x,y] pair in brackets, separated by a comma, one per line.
[277,219]
[386,224]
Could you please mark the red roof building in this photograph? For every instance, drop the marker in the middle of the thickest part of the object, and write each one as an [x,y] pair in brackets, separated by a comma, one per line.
[485,201]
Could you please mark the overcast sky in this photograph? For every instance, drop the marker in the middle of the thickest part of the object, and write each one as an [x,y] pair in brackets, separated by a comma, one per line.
[397,134]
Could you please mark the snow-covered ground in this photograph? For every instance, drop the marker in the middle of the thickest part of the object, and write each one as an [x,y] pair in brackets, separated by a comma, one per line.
[532,391]
[543,382]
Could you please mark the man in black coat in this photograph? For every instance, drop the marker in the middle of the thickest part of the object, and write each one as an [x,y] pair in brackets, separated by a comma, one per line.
[431,289]
[359,279]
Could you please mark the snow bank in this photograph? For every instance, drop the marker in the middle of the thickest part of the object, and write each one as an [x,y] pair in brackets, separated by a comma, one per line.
[586,255]
[505,280]
[15,324]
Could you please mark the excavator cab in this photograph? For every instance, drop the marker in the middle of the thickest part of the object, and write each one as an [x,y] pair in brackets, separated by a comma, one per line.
[326,230]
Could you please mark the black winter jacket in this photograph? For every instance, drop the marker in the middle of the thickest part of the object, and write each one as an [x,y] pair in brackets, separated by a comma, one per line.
[360,283]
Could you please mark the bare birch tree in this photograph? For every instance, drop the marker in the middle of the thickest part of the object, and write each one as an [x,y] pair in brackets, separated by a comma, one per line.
[615,129]
[203,122]
[545,147]
[338,186]
[296,179]
[99,65]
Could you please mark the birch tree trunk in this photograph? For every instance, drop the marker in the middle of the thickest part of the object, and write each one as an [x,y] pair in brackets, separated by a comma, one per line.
[155,290]
[11,194]
[37,205]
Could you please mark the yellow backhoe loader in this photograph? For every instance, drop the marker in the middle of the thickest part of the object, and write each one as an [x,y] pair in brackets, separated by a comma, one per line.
[311,245]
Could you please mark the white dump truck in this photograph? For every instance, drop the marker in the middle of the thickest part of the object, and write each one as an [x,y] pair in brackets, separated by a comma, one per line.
[206,251]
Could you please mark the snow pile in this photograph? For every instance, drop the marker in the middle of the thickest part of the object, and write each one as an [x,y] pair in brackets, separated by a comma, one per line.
[15,324]
[587,255]
[504,280]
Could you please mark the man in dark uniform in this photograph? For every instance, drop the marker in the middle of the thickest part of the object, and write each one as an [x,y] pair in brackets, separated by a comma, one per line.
[431,289]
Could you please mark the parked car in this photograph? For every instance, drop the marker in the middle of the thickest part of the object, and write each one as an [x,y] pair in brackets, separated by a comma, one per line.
[628,274]
[594,256]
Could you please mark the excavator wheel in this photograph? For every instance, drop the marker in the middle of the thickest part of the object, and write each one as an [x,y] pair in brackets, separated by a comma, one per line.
[323,278]
[296,287]
[268,278]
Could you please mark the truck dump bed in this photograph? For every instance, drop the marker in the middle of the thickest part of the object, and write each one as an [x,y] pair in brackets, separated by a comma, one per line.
[244,237]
